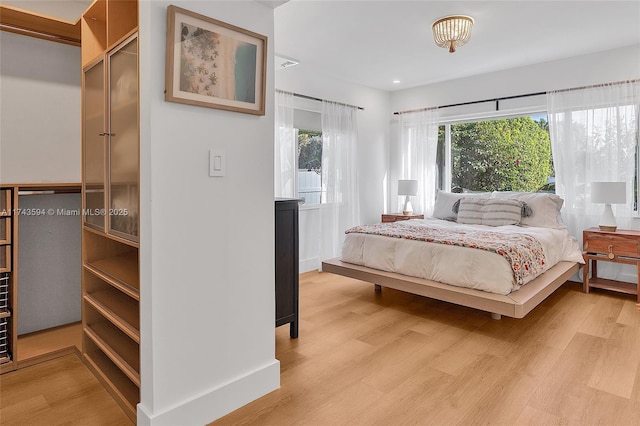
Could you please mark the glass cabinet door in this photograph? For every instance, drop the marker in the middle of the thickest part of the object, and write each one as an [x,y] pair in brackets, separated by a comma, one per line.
[124,141]
[94,146]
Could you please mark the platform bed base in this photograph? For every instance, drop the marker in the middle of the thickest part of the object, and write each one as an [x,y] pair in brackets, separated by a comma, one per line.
[514,305]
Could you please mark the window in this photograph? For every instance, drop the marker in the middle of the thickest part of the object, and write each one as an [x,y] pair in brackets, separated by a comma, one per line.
[310,165]
[508,154]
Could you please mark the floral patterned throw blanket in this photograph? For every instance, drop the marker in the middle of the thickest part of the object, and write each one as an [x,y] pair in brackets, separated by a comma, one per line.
[523,252]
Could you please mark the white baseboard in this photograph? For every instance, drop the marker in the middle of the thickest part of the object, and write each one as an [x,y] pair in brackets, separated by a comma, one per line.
[217,402]
[306,265]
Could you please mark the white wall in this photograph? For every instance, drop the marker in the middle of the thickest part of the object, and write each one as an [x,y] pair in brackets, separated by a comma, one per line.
[373,137]
[603,67]
[50,266]
[40,126]
[207,244]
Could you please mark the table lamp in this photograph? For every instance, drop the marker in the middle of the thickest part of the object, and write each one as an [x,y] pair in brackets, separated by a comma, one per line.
[608,193]
[407,188]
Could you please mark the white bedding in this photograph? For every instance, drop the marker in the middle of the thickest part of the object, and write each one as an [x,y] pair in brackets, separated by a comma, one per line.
[459,266]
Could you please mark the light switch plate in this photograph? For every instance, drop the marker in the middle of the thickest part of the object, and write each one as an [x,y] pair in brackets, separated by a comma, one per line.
[217,163]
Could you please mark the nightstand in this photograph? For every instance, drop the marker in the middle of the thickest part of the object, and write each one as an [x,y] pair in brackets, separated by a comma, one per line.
[621,246]
[394,217]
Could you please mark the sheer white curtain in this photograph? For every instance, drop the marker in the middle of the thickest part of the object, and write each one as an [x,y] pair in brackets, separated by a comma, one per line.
[418,150]
[593,138]
[286,148]
[340,195]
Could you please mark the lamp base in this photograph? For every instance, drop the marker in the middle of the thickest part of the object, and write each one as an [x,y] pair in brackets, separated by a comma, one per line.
[408,208]
[607,221]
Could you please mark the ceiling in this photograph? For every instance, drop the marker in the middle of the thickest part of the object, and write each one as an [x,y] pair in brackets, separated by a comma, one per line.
[375,42]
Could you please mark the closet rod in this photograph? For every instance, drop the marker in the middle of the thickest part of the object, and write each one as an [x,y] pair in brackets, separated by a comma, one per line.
[526,95]
[48,191]
[38,34]
[298,95]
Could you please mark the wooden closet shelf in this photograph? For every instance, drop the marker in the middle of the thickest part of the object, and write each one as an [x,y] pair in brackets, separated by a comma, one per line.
[115,238]
[119,309]
[4,314]
[120,271]
[100,334]
[116,383]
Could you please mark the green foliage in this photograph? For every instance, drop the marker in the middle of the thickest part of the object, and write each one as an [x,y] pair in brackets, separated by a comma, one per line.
[309,149]
[501,155]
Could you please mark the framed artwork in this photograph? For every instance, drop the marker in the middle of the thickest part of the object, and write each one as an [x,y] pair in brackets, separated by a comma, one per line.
[214,64]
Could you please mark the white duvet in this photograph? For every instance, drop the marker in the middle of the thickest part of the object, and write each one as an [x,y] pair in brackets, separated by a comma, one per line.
[459,266]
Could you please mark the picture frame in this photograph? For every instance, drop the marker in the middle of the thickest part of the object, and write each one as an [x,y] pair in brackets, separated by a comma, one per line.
[214,64]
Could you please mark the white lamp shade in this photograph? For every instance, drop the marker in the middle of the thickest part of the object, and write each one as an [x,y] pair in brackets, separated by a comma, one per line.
[609,192]
[407,187]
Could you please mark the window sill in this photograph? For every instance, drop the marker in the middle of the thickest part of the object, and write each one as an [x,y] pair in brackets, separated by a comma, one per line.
[304,207]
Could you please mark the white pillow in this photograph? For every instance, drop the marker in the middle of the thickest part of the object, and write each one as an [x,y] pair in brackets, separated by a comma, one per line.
[443,208]
[545,207]
[491,212]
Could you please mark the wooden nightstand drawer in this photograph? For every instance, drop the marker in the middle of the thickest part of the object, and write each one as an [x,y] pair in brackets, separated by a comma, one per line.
[611,244]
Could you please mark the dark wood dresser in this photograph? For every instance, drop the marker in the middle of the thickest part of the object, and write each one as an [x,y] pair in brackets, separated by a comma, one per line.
[287,283]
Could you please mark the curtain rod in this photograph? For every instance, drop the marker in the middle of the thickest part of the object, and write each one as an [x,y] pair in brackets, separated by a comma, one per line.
[526,95]
[595,85]
[496,100]
[298,95]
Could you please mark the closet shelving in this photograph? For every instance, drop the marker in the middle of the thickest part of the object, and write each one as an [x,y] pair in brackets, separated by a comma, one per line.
[33,347]
[7,291]
[110,276]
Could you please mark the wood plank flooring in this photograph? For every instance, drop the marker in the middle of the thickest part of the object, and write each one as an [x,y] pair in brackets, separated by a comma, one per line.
[390,358]
[36,344]
[58,392]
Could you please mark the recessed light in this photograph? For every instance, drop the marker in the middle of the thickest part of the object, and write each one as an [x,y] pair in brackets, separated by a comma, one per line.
[396,81]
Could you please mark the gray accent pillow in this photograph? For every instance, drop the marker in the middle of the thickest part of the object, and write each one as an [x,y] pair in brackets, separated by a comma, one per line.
[491,212]
[443,208]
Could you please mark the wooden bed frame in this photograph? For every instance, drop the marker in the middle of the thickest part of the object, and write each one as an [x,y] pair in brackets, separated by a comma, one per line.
[516,304]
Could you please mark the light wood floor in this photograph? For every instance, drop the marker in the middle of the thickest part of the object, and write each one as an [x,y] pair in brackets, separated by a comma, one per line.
[36,344]
[58,392]
[390,358]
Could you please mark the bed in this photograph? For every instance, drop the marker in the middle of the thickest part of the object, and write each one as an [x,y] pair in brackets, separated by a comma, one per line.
[499,252]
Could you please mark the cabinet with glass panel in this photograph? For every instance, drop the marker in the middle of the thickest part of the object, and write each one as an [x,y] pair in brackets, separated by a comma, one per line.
[110,276]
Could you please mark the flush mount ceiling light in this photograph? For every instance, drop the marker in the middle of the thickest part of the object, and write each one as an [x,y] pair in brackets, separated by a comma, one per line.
[452,31]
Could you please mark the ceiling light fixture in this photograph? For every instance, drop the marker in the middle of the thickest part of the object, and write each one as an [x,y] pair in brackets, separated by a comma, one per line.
[452,31]
[396,81]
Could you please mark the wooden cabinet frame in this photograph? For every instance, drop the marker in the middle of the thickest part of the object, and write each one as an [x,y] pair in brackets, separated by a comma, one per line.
[110,261]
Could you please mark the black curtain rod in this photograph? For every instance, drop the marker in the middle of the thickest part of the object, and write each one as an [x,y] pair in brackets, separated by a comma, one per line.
[497,100]
[298,95]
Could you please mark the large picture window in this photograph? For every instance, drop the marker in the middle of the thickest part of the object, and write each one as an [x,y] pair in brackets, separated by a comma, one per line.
[508,154]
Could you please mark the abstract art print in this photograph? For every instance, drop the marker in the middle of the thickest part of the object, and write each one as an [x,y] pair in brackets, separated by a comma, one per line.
[214,64]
